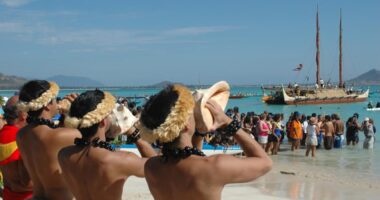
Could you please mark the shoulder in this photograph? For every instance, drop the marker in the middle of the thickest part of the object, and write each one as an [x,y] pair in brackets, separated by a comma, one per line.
[66,132]
[122,158]
[152,162]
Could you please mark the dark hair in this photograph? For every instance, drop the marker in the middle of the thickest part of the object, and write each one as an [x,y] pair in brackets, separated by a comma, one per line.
[356,115]
[158,107]
[277,117]
[327,118]
[247,120]
[303,117]
[337,117]
[10,114]
[314,114]
[236,109]
[32,90]
[132,105]
[229,112]
[83,104]
[295,115]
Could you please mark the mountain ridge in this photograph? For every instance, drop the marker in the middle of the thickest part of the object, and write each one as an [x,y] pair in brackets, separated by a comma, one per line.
[371,77]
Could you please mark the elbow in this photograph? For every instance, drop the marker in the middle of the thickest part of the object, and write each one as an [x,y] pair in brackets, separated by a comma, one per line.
[267,165]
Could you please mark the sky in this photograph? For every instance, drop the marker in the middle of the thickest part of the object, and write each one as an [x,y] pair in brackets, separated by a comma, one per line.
[130,43]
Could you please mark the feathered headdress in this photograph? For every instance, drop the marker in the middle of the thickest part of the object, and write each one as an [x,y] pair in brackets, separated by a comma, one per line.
[102,110]
[41,101]
[175,121]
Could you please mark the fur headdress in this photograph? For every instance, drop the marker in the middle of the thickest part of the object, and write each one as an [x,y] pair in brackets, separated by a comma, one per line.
[102,110]
[41,101]
[175,121]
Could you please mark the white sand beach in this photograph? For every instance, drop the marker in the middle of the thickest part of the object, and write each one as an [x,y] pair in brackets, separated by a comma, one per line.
[348,173]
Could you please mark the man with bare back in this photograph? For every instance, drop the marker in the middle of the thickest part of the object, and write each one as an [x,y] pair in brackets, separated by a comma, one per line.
[183,171]
[40,141]
[91,166]
[329,130]
[16,180]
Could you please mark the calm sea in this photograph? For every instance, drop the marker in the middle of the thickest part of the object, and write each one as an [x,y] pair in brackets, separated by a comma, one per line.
[254,103]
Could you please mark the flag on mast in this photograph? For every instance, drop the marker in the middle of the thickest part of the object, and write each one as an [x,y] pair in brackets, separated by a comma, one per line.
[298,68]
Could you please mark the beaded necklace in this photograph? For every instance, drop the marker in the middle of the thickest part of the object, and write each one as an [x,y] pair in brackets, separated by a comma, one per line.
[40,121]
[181,153]
[96,142]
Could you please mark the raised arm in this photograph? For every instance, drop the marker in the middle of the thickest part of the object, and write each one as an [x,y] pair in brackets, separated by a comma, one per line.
[229,169]
[146,150]
[197,141]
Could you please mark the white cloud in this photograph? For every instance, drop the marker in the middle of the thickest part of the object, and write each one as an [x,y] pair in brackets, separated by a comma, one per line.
[14,3]
[105,38]
[13,27]
[18,27]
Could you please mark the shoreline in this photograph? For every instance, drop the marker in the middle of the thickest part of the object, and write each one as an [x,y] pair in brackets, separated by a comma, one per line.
[348,173]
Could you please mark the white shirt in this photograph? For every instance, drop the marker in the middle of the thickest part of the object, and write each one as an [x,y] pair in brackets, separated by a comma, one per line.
[311,131]
[304,126]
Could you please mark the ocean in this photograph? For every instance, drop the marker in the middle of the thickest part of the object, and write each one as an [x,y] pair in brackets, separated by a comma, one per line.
[254,103]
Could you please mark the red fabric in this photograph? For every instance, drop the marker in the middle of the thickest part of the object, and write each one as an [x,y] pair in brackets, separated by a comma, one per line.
[7,135]
[10,195]
[15,156]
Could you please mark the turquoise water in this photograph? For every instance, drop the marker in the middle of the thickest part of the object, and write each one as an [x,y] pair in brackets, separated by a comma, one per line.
[254,103]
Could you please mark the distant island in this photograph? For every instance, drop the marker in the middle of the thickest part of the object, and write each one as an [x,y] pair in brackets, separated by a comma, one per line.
[14,82]
[371,77]
[162,84]
[11,82]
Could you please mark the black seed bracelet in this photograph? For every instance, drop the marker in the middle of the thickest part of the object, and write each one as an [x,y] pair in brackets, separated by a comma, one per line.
[200,134]
[134,136]
[232,128]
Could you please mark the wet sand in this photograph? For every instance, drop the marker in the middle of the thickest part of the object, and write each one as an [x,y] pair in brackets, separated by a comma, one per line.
[339,174]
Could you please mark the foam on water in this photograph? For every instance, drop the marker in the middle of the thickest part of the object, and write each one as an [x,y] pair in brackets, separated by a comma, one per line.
[347,173]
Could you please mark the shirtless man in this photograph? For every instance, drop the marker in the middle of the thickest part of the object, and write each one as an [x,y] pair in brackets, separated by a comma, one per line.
[91,167]
[17,183]
[339,129]
[328,129]
[184,172]
[40,141]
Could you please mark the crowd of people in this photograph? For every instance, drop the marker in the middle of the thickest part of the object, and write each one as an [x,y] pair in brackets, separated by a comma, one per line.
[312,131]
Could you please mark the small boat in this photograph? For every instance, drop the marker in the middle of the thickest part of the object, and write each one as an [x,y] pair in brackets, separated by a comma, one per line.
[373,109]
[237,96]
[207,149]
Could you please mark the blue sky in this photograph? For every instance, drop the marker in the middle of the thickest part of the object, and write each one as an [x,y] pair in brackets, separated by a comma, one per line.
[121,42]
